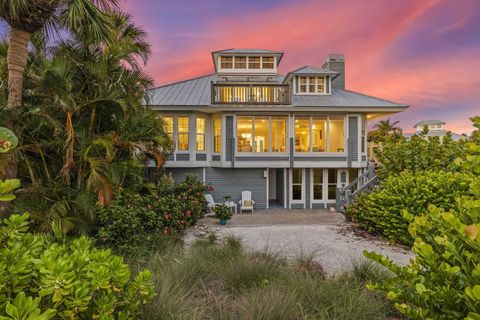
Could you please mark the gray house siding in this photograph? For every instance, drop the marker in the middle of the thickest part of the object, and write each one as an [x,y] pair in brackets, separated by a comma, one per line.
[280,186]
[180,174]
[307,188]
[232,182]
[229,138]
[352,140]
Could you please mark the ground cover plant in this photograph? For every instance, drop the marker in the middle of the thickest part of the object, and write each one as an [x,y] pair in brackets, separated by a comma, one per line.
[212,280]
[381,211]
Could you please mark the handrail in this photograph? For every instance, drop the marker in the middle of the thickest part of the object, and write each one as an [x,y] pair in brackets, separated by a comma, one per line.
[264,94]
[365,182]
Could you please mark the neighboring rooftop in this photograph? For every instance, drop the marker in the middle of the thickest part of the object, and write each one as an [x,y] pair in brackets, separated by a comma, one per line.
[428,122]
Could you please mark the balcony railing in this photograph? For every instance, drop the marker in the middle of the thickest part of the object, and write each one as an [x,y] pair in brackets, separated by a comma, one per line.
[250,94]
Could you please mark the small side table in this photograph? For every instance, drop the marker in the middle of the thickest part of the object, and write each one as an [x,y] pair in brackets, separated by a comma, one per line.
[232,205]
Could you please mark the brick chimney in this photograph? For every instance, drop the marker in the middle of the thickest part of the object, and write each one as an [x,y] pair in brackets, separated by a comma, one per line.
[336,62]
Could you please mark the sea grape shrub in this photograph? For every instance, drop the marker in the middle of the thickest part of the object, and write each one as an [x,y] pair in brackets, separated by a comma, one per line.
[44,279]
[133,217]
[381,211]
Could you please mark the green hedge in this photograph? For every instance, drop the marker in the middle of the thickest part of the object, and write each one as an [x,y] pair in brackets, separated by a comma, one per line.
[133,217]
[380,212]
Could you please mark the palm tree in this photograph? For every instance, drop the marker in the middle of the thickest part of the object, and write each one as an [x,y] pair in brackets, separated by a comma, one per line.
[385,127]
[26,17]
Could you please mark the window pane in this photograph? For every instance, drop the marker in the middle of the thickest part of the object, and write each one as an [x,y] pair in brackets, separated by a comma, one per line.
[321,85]
[217,135]
[317,175]
[311,84]
[302,134]
[297,192]
[168,126]
[297,176]
[244,134]
[317,192]
[332,176]
[183,133]
[240,62]
[200,139]
[332,192]
[267,62]
[319,137]
[337,139]
[279,134]
[303,84]
[254,62]
[226,62]
[262,139]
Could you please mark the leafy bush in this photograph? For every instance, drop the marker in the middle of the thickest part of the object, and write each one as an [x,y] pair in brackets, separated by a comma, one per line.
[443,282]
[222,212]
[420,153]
[380,211]
[42,279]
[132,217]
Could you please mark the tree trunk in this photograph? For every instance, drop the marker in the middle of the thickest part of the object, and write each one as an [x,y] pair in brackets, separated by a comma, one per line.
[17,62]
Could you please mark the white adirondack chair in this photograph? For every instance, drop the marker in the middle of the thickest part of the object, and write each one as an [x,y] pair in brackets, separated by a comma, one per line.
[246,203]
[210,204]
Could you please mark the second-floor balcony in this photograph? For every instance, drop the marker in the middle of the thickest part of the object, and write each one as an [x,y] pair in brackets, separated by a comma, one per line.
[223,93]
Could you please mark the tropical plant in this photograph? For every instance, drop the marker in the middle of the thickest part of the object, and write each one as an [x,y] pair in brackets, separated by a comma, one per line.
[443,280]
[6,188]
[384,129]
[381,211]
[42,279]
[26,17]
[419,153]
[83,122]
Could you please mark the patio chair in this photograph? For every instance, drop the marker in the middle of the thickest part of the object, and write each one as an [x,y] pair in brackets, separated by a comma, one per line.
[246,203]
[210,204]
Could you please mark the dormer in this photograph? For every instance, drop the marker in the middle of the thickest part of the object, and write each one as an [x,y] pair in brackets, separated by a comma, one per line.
[432,125]
[246,61]
[309,80]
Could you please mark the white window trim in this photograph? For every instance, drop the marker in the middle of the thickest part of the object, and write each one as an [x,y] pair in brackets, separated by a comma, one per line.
[301,201]
[308,93]
[312,198]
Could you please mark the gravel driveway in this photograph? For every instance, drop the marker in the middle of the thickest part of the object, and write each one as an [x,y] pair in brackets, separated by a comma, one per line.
[296,232]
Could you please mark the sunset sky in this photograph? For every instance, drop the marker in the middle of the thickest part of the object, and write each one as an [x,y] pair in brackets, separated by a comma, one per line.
[425,53]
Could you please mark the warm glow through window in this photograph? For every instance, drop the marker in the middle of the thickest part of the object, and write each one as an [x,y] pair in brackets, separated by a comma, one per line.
[319,134]
[311,85]
[200,137]
[302,134]
[217,135]
[183,133]
[261,134]
[168,126]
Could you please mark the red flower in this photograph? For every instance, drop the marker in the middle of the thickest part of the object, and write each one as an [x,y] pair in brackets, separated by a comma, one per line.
[165,231]
[149,206]
[182,222]
[189,212]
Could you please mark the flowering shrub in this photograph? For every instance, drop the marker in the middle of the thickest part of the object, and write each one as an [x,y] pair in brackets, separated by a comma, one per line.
[380,211]
[129,220]
[43,279]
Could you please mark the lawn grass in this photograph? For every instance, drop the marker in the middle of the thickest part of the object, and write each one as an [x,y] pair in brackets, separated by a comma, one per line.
[223,281]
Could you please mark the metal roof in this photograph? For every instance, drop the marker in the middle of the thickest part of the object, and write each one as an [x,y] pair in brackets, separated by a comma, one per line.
[312,70]
[427,122]
[247,51]
[197,92]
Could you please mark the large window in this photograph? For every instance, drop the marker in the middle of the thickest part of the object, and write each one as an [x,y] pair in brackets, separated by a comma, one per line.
[317,183]
[240,62]
[311,85]
[168,126]
[182,133]
[279,134]
[261,134]
[200,137]
[336,134]
[217,135]
[297,184]
[332,184]
[302,134]
[319,134]
[267,62]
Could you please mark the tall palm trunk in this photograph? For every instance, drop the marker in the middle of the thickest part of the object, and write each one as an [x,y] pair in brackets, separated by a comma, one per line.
[17,62]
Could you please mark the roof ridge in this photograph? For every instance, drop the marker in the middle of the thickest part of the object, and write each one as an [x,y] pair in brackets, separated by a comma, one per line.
[369,96]
[182,81]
